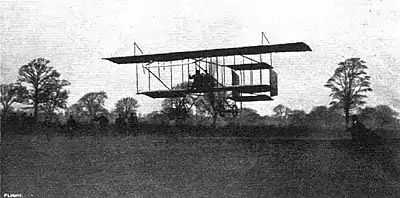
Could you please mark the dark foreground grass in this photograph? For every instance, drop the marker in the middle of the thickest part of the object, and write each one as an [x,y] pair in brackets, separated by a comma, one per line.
[149,166]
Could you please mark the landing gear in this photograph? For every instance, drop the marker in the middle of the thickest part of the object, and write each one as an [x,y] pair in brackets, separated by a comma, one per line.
[181,112]
[233,109]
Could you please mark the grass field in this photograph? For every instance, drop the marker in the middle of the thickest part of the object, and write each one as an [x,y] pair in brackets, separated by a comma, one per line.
[149,166]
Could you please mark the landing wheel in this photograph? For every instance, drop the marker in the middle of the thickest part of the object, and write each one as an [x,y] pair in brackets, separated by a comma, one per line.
[235,110]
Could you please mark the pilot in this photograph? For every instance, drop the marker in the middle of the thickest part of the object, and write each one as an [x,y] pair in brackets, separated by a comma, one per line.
[195,75]
[197,80]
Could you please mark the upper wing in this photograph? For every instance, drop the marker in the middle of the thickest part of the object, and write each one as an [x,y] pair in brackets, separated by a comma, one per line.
[250,50]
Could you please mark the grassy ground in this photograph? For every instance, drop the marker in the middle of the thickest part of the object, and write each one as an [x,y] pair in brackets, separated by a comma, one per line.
[148,166]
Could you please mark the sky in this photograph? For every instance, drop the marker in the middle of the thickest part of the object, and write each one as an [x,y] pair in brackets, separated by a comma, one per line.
[76,35]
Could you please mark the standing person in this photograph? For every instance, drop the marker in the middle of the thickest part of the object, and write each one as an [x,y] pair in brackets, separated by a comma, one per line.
[71,125]
[132,121]
[31,123]
[358,129]
[120,124]
[103,122]
[47,127]
[12,121]
[23,123]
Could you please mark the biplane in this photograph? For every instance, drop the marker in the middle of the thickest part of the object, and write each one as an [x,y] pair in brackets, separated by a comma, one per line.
[220,73]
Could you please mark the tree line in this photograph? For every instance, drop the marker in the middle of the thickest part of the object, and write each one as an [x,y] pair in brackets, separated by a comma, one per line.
[41,90]
[349,85]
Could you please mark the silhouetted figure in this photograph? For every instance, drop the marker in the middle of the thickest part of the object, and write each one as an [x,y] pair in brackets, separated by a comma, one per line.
[47,127]
[31,123]
[358,130]
[132,121]
[195,75]
[103,123]
[220,108]
[103,120]
[120,124]
[23,123]
[361,134]
[197,80]
[71,126]
[12,123]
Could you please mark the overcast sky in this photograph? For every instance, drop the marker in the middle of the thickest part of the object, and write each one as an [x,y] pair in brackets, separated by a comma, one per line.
[75,35]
